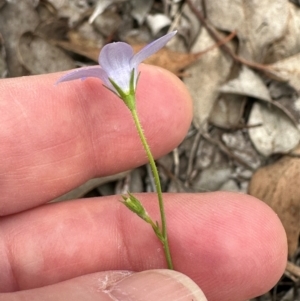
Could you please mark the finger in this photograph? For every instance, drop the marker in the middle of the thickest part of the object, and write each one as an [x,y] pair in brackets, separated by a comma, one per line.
[230,240]
[152,285]
[54,138]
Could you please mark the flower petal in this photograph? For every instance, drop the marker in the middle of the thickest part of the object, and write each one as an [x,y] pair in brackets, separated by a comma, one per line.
[151,48]
[83,73]
[115,59]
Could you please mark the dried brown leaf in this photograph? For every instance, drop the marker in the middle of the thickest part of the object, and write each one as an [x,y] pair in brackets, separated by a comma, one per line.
[278,186]
[79,45]
[171,60]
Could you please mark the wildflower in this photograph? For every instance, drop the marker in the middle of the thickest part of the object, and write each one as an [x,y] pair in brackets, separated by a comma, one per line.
[119,66]
[119,73]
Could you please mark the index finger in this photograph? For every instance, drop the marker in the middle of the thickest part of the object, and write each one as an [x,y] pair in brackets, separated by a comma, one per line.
[55,138]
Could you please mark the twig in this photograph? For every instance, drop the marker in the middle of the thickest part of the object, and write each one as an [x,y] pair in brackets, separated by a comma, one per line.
[220,42]
[215,36]
[192,157]
[176,161]
[226,151]
[178,182]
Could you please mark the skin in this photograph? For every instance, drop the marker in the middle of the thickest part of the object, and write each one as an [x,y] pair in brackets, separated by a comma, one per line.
[55,138]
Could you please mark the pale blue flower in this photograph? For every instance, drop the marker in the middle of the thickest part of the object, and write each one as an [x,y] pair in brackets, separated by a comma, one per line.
[119,65]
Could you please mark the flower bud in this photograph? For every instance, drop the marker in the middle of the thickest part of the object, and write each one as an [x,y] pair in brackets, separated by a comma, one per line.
[133,204]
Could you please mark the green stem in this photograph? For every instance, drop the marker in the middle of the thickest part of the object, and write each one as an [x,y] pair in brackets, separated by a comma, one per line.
[157,185]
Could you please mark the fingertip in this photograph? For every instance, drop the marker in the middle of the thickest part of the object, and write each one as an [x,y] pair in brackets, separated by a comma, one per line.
[169,85]
[241,245]
[171,99]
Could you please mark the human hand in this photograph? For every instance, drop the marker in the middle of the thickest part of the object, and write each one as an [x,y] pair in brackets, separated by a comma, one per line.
[54,139]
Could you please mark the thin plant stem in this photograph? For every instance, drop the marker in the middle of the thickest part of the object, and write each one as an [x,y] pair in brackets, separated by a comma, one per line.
[158,188]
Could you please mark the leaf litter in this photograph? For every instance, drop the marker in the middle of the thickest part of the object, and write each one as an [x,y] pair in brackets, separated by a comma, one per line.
[239,59]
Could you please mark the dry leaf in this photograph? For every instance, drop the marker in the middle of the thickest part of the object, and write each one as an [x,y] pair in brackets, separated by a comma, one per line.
[259,23]
[16,18]
[72,10]
[288,70]
[99,9]
[189,25]
[83,189]
[157,22]
[278,186]
[140,9]
[40,57]
[291,105]
[205,78]
[227,111]
[240,146]
[107,23]
[247,83]
[230,185]
[289,44]
[78,44]
[212,178]
[171,60]
[277,133]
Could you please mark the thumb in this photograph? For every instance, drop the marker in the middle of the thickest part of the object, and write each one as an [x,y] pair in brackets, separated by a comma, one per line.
[150,285]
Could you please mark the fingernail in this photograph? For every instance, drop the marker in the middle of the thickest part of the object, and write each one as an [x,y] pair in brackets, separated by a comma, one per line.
[156,285]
